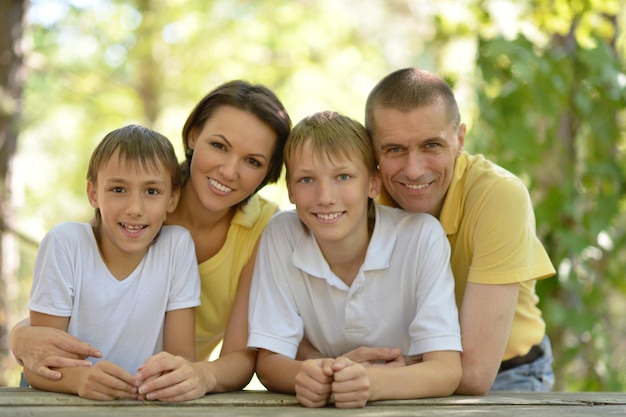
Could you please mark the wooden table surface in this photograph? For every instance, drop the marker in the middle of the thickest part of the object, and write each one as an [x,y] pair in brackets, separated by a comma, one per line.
[29,402]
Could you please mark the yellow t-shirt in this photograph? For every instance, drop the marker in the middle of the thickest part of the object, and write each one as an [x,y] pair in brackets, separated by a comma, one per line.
[219,275]
[490,223]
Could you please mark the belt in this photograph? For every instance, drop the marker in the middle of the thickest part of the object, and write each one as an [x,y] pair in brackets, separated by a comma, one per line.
[516,361]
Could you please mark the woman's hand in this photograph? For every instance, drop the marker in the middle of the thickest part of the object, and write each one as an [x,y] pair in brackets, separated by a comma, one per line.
[165,377]
[41,349]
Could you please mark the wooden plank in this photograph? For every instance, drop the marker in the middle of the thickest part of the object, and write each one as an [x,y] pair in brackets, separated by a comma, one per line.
[28,402]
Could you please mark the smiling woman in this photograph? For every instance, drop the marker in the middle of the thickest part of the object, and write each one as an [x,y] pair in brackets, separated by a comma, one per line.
[234,144]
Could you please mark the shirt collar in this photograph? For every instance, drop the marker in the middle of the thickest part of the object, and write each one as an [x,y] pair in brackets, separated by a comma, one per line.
[308,257]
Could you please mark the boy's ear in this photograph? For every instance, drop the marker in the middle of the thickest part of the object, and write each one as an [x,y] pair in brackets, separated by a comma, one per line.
[376,184]
[173,200]
[291,199]
[92,194]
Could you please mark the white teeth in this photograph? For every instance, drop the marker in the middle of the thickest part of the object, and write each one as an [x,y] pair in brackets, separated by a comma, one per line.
[416,186]
[219,186]
[132,228]
[329,216]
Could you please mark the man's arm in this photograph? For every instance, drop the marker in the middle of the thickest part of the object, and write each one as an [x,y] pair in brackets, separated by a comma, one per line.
[486,317]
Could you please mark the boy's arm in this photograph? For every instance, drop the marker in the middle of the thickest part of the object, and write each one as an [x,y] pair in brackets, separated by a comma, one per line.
[437,376]
[277,372]
[179,333]
[310,380]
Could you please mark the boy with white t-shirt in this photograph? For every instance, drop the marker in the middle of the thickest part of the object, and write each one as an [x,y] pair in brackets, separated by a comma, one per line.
[341,272]
[125,283]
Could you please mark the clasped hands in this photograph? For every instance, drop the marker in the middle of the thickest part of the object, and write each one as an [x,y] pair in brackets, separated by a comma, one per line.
[343,380]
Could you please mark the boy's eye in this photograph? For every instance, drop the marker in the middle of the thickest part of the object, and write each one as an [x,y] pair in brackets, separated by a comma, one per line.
[344,177]
[153,191]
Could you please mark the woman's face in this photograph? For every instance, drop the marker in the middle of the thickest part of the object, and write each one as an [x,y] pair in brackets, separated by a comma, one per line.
[231,157]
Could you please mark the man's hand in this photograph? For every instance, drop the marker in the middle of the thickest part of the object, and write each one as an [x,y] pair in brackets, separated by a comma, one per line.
[369,356]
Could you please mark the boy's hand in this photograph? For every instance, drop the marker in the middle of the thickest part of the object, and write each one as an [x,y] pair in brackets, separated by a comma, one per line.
[106,381]
[351,386]
[313,382]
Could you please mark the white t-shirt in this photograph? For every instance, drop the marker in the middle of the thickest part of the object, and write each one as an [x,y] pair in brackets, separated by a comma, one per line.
[402,297]
[124,319]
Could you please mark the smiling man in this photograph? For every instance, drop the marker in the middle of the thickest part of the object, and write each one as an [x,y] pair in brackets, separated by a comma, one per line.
[415,125]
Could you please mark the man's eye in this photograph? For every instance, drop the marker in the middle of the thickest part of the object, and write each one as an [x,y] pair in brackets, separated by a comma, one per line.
[117,189]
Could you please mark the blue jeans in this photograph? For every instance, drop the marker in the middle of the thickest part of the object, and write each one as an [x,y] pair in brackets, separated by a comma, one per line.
[534,376]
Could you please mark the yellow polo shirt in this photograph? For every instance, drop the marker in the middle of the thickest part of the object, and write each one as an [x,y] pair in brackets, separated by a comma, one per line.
[489,219]
[219,275]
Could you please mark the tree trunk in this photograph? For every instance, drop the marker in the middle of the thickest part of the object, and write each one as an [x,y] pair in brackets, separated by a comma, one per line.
[12,13]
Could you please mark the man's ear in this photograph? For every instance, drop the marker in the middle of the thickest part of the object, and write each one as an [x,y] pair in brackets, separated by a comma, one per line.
[92,194]
[461,138]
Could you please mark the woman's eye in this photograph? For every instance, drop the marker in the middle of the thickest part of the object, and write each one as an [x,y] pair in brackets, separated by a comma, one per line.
[218,145]
[254,162]
[306,180]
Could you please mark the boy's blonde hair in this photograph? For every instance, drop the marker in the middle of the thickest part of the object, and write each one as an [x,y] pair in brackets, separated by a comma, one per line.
[139,146]
[331,135]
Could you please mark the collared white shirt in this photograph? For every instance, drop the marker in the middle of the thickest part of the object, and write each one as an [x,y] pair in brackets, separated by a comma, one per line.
[403,295]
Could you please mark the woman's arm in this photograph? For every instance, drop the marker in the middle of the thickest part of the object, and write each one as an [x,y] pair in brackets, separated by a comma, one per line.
[104,381]
[232,371]
[41,349]
[234,368]
[179,333]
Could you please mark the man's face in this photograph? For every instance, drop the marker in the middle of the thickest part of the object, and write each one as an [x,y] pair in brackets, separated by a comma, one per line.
[416,152]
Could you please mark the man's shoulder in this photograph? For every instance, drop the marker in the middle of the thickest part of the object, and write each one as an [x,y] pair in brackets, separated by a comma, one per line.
[484,176]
